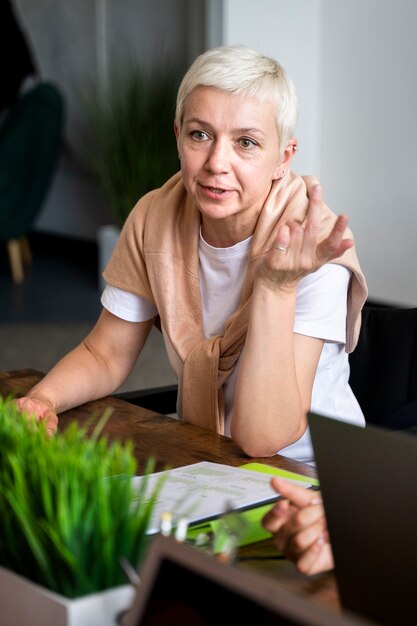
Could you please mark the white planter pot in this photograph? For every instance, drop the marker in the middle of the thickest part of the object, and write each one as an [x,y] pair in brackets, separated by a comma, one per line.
[107,237]
[23,603]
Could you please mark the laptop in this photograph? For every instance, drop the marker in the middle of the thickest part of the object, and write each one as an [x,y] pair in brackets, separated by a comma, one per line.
[368,480]
[181,585]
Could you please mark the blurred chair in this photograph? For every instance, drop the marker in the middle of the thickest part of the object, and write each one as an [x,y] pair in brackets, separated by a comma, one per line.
[30,141]
[31,121]
[383,367]
[159,399]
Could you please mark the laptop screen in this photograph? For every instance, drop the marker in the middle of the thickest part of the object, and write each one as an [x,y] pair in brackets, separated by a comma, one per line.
[181,585]
[185,597]
[368,482]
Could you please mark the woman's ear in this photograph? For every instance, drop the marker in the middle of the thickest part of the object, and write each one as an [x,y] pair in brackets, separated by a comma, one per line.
[176,131]
[177,137]
[285,163]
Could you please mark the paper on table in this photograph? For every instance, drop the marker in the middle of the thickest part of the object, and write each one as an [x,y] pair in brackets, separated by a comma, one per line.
[204,490]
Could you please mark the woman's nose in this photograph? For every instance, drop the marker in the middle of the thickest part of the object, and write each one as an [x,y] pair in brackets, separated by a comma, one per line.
[219,157]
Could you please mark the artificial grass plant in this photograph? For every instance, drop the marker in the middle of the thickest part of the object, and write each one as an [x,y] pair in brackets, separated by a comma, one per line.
[68,508]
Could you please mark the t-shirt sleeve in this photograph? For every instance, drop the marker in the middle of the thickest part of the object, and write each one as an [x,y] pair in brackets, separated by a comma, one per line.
[128,306]
[321,305]
[126,268]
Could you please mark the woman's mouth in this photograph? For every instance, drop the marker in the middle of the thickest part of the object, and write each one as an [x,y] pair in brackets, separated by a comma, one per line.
[214,192]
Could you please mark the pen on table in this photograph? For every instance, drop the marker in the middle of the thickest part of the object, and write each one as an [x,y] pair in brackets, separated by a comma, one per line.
[166,523]
[130,571]
[181,530]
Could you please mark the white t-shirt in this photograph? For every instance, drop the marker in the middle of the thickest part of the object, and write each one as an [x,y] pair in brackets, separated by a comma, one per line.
[320,312]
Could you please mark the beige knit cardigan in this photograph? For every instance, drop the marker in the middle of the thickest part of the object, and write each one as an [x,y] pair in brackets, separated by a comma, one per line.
[156,257]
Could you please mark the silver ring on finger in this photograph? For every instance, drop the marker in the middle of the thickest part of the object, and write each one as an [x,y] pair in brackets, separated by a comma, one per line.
[280,248]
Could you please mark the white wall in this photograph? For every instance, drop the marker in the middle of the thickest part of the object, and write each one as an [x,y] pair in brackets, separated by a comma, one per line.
[354,66]
[369,138]
[288,30]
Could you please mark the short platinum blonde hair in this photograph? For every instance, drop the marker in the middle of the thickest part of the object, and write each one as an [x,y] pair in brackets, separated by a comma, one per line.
[240,70]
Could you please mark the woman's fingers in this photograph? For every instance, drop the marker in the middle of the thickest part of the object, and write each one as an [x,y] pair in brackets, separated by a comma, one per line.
[300,496]
[297,252]
[300,529]
[315,198]
[294,539]
[303,240]
[334,245]
[295,505]
[313,221]
[318,558]
[299,534]
[298,525]
[277,516]
[51,424]
[283,238]
[41,412]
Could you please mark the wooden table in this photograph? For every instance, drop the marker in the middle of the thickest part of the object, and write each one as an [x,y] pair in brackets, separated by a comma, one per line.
[175,443]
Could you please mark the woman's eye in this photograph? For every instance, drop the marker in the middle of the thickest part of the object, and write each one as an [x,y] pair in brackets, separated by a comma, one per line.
[245,142]
[199,135]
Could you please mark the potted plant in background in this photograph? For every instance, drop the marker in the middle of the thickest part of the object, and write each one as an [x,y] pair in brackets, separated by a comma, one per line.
[69,513]
[132,147]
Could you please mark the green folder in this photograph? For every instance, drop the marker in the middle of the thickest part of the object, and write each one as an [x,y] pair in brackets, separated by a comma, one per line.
[251,519]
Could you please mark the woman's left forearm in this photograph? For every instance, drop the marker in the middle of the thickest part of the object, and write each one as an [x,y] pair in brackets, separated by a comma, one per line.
[268,407]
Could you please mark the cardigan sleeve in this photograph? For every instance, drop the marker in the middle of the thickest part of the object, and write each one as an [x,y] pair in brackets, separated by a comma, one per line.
[126,268]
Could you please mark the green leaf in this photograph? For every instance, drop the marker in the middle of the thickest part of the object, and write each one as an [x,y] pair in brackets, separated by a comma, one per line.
[68,511]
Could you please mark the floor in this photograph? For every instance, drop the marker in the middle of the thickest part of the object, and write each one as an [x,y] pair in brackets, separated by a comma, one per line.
[56,305]
[60,285]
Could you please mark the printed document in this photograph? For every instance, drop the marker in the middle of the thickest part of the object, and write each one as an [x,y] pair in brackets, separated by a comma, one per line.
[205,490]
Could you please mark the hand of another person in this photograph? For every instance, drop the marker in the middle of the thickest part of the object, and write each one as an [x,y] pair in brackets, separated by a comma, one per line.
[299,528]
[297,251]
[42,411]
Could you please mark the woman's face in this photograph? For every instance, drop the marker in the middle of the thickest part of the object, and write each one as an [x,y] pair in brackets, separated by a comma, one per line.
[229,150]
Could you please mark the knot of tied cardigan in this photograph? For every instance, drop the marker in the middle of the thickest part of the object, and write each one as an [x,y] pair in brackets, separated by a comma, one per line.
[157,258]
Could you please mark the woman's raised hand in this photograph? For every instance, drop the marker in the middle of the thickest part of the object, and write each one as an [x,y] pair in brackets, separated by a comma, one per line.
[298,250]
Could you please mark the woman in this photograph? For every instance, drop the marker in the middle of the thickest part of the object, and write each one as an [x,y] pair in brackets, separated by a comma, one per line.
[231,259]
